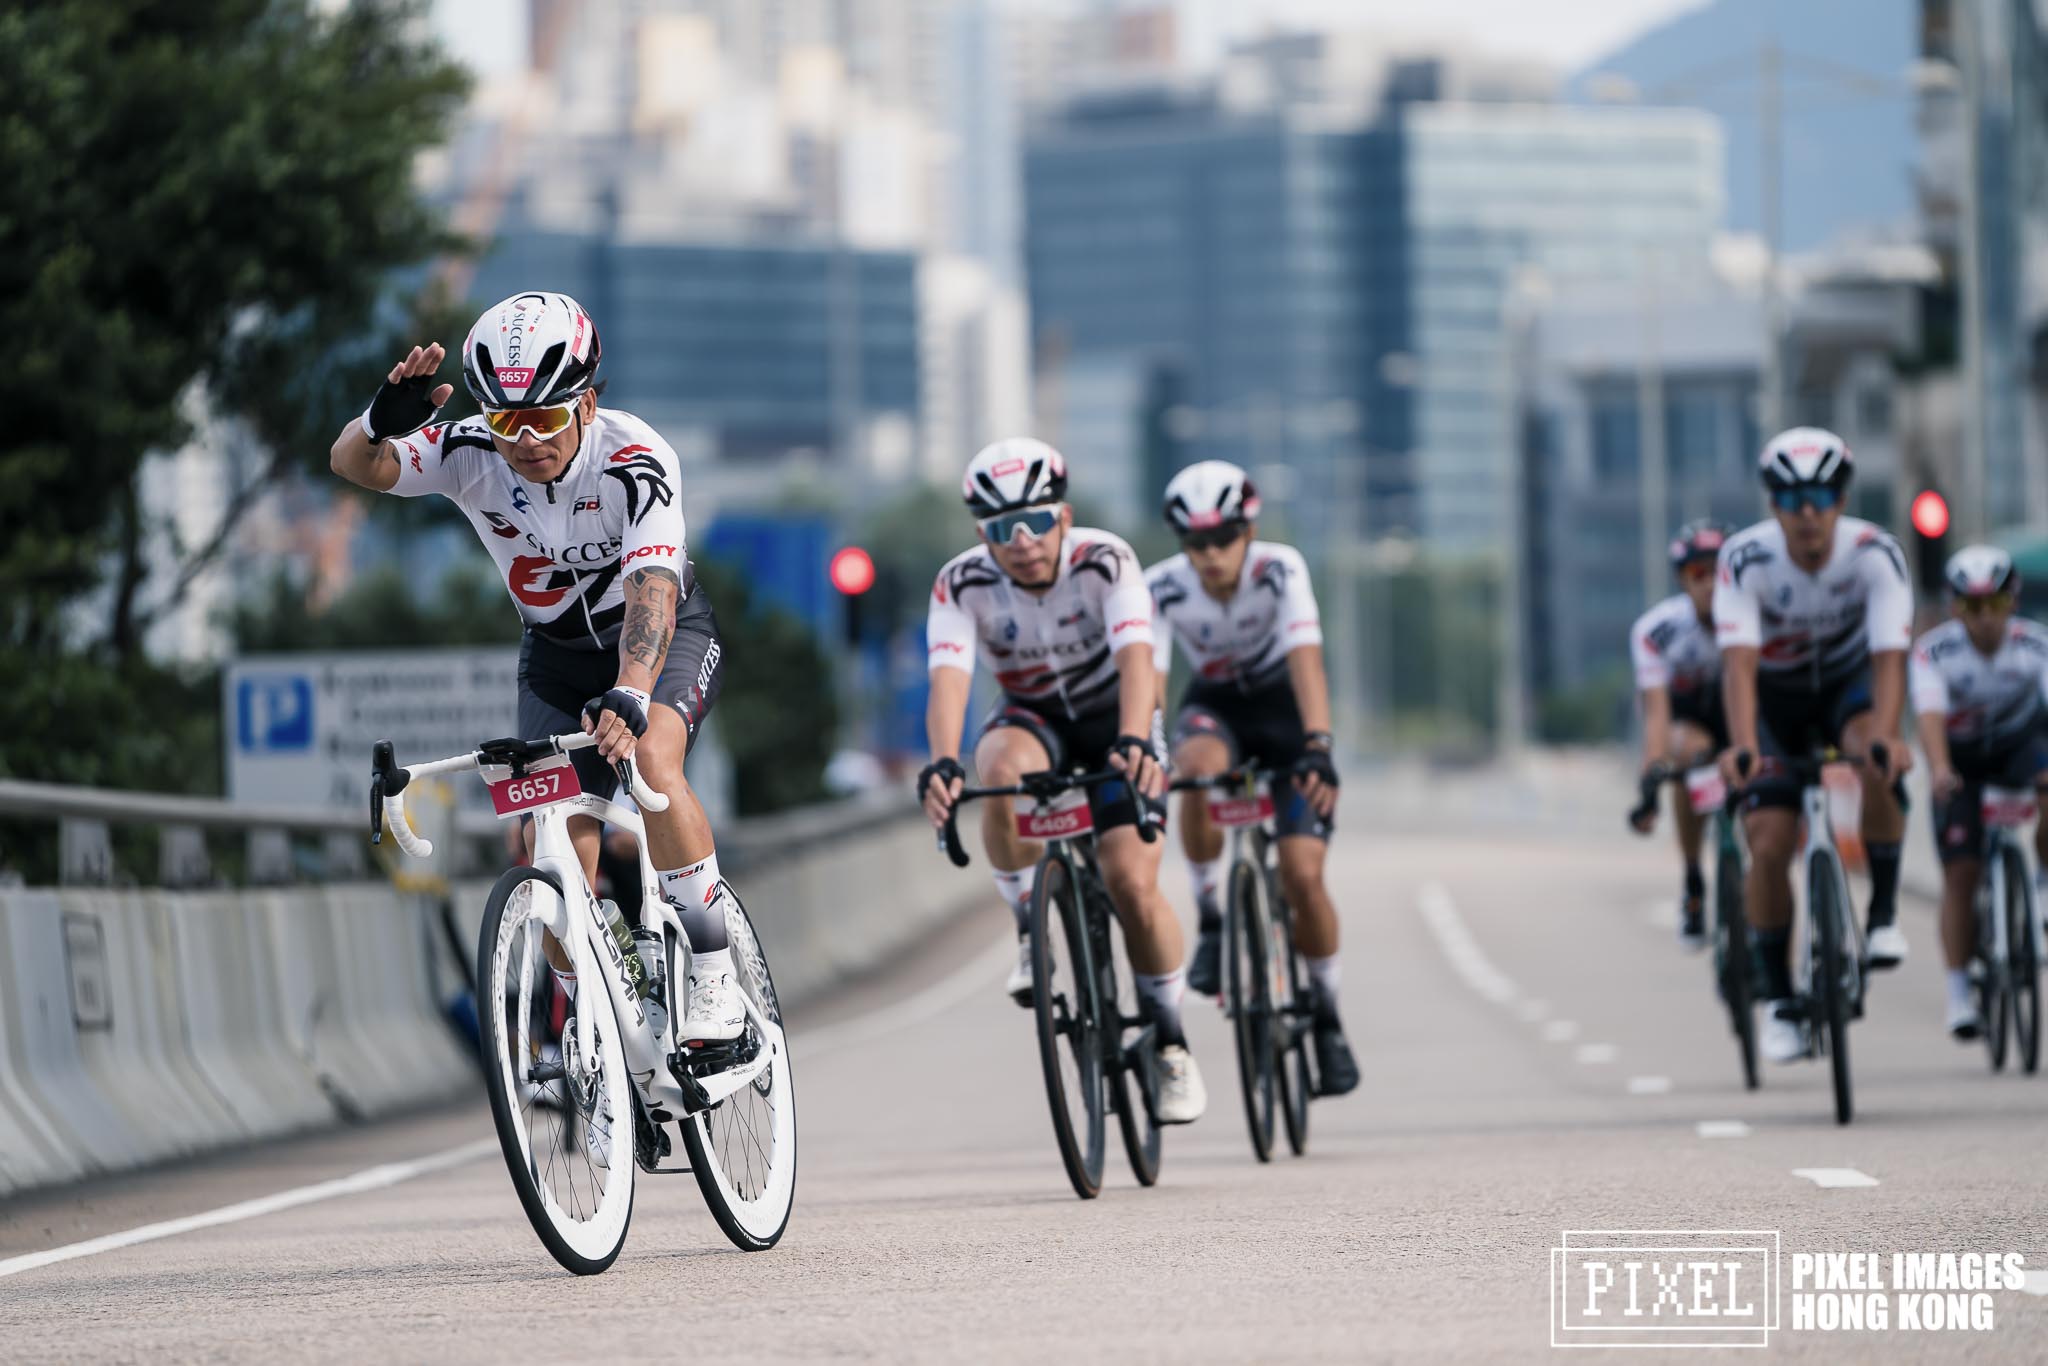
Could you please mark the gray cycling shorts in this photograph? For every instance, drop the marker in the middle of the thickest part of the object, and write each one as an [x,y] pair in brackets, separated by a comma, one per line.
[555,682]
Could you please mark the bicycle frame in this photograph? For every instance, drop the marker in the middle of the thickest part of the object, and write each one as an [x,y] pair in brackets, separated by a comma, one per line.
[577,922]
[1999,834]
[1820,846]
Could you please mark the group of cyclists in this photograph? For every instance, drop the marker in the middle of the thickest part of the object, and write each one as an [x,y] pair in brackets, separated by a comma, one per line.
[579,506]
[1793,637]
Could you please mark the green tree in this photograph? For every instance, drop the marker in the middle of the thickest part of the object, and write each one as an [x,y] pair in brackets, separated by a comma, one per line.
[212,192]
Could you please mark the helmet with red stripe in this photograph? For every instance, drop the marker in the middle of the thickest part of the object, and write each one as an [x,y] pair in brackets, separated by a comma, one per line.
[531,351]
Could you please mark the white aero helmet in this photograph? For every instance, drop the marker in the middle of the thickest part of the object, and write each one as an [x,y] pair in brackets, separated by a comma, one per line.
[1978,571]
[1017,472]
[1806,455]
[530,351]
[1209,493]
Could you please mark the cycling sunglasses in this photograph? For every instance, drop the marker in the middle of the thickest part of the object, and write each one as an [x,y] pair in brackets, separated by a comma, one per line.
[1986,602]
[1820,497]
[1003,528]
[542,422]
[1213,538]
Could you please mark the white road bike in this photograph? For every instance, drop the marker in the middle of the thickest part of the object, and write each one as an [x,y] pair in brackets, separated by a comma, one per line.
[584,1093]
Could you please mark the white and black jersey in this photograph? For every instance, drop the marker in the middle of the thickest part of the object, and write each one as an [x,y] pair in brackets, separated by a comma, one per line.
[561,548]
[1988,702]
[1812,631]
[1054,651]
[1241,641]
[1672,648]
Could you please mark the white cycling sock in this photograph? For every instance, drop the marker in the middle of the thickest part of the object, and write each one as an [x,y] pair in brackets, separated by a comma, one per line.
[705,966]
[1163,993]
[1207,876]
[693,892]
[1324,973]
[1016,887]
[1959,992]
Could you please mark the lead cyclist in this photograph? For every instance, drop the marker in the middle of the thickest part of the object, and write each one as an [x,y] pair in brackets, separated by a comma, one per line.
[578,506]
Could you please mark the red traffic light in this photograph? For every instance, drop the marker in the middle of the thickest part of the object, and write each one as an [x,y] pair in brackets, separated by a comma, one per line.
[853,571]
[1930,514]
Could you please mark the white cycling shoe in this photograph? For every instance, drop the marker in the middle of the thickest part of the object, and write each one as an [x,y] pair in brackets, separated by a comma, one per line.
[1178,1096]
[1018,984]
[1964,1023]
[1781,1040]
[1885,947]
[713,1013]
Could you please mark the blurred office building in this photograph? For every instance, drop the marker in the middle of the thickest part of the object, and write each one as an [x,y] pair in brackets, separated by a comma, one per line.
[1310,258]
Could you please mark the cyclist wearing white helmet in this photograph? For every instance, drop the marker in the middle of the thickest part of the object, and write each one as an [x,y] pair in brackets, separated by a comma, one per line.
[1062,615]
[1813,613]
[1678,683]
[1978,681]
[578,506]
[1245,616]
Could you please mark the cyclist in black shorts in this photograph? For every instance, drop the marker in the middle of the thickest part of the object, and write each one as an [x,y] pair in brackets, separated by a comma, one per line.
[1678,682]
[1246,618]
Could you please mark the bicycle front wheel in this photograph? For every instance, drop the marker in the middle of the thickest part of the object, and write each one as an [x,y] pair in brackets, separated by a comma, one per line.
[1828,993]
[1122,1072]
[1296,1084]
[2021,918]
[1067,1011]
[1248,996]
[566,1130]
[743,1150]
[1732,960]
[1994,984]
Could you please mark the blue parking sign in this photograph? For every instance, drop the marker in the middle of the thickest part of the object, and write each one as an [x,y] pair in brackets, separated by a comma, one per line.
[274,714]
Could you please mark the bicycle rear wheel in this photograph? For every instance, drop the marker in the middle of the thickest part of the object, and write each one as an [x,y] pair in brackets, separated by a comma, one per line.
[1247,988]
[743,1150]
[1732,966]
[567,1138]
[1067,1011]
[1296,1082]
[2021,918]
[1828,993]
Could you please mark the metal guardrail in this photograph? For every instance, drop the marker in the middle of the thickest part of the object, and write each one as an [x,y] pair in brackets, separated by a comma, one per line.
[84,817]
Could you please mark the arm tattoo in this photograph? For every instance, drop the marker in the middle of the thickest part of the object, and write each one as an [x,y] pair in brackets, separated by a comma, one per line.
[651,596]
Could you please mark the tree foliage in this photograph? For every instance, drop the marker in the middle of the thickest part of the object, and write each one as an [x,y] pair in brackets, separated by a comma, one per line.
[209,191]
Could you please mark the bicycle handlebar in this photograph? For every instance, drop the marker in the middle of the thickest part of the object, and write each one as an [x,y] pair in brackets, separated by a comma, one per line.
[1244,775]
[388,780]
[1041,786]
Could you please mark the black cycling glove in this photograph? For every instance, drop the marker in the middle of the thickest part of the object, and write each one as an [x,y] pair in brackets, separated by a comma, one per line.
[946,770]
[628,704]
[1126,743]
[1317,762]
[400,409]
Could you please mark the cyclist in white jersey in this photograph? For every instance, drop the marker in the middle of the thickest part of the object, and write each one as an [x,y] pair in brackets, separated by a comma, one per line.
[1678,685]
[1978,682]
[1245,616]
[578,506]
[1813,613]
[1062,615]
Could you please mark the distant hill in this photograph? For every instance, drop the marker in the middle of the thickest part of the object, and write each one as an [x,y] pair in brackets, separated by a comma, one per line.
[1848,156]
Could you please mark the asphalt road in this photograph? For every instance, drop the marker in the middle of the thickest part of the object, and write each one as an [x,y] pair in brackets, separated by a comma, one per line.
[1538,1057]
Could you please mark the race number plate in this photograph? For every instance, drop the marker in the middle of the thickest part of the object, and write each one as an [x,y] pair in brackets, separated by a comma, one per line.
[545,783]
[1231,811]
[1703,786]
[2007,806]
[1068,815]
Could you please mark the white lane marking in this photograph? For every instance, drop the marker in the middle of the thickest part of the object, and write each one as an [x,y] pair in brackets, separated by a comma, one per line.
[1440,913]
[1560,1031]
[2036,1283]
[983,973]
[1649,1086]
[1835,1178]
[373,1178]
[1722,1128]
[1593,1054]
[862,1028]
